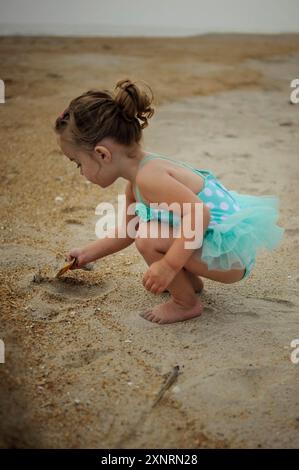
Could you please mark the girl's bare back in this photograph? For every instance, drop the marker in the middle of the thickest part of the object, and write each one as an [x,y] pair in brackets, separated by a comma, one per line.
[185,176]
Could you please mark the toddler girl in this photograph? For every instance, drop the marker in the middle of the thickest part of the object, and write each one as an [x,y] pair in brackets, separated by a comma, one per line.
[101,132]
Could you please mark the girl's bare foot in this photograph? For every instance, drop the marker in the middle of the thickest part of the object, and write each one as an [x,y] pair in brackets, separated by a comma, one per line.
[197,283]
[171,312]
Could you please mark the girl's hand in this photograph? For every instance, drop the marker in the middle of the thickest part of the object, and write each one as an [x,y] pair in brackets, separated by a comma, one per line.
[80,255]
[158,276]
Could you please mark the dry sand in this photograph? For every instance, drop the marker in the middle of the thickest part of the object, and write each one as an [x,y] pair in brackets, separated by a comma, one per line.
[82,367]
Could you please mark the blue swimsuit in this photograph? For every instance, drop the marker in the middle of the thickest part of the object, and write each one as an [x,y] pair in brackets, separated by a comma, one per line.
[240,224]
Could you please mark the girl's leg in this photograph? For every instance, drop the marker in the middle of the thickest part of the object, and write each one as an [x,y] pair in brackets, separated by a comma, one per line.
[183,304]
[196,281]
[194,265]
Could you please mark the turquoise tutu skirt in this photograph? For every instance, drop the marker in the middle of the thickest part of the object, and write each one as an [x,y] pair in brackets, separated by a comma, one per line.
[236,241]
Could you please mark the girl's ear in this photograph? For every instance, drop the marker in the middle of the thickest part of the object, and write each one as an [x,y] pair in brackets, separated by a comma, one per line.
[103,153]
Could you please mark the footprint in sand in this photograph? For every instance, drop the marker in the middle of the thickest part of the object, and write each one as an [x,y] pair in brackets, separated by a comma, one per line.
[39,310]
[69,288]
[82,357]
[56,310]
[287,303]
[235,385]
[257,307]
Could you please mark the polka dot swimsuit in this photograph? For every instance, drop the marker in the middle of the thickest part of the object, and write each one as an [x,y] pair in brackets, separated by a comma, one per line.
[231,243]
[214,195]
[217,198]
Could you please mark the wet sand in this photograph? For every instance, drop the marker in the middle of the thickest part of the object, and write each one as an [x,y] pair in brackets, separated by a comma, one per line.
[82,367]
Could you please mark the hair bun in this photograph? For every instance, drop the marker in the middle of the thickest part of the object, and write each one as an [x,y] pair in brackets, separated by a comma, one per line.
[134,102]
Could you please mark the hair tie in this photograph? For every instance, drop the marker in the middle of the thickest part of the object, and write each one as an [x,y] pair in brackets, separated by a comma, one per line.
[64,112]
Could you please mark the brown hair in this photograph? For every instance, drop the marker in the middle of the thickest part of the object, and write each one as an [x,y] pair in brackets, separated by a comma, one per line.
[95,115]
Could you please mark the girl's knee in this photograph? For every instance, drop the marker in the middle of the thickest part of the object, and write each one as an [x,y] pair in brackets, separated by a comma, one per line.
[144,244]
[150,237]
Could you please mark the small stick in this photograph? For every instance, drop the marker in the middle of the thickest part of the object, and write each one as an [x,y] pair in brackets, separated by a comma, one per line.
[66,267]
[171,378]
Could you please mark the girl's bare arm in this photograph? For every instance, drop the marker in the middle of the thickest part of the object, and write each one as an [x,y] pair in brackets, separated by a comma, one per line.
[157,185]
[109,244]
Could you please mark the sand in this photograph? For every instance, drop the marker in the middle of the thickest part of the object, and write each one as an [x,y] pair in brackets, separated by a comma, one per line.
[82,367]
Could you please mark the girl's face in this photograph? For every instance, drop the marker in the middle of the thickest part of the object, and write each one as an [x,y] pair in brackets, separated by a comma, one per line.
[88,163]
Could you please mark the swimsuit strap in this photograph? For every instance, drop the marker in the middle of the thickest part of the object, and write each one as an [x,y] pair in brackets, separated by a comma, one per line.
[203,173]
[158,155]
[139,197]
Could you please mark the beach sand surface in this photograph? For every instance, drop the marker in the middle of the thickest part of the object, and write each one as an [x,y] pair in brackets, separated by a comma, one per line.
[82,368]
